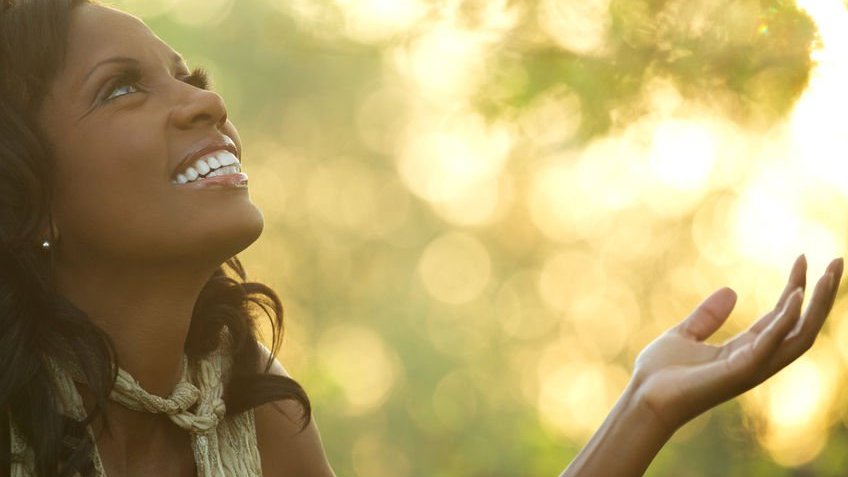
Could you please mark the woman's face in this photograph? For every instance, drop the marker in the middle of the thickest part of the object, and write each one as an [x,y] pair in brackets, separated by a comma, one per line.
[125,118]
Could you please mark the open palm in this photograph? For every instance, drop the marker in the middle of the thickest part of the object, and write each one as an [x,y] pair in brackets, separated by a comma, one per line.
[680,376]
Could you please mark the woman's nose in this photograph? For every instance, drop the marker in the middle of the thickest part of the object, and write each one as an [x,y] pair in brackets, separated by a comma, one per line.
[198,107]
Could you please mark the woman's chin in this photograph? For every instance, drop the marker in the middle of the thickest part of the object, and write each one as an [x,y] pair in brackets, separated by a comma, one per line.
[221,239]
[235,238]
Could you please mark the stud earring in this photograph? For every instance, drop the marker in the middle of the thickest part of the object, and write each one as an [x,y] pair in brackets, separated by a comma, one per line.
[45,246]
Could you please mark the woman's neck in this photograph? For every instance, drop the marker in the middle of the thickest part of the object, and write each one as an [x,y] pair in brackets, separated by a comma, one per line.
[146,313]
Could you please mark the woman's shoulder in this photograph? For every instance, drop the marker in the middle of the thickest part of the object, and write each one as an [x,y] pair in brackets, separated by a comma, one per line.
[285,448]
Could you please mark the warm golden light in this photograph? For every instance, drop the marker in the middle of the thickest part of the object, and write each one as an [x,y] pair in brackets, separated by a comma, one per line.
[375,455]
[816,130]
[683,154]
[557,285]
[455,268]
[796,407]
[575,398]
[455,160]
[552,119]
[147,8]
[202,12]
[581,27]
[481,204]
[446,63]
[377,20]
[363,367]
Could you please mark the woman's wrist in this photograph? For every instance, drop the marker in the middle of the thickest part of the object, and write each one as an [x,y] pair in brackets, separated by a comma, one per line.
[645,402]
[638,409]
[632,432]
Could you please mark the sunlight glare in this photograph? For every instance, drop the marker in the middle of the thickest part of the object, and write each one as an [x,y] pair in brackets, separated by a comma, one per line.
[767,223]
[482,203]
[453,156]
[445,64]
[683,154]
[581,27]
[817,130]
[377,20]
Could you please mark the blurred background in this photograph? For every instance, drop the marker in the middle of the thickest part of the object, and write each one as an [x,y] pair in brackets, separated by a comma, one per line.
[479,211]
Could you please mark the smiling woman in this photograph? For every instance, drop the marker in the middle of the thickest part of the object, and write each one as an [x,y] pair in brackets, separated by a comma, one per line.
[128,325]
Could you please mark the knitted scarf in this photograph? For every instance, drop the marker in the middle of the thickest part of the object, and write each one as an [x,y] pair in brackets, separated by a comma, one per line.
[223,446]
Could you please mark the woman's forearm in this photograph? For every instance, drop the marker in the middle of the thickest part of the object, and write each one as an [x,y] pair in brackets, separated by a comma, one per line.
[624,445]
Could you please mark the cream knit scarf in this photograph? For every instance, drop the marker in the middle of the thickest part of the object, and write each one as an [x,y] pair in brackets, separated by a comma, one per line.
[223,446]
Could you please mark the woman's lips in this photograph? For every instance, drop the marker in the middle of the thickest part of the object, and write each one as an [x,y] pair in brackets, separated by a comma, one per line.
[237,181]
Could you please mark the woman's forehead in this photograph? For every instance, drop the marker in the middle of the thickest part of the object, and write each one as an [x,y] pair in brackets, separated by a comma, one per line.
[97,33]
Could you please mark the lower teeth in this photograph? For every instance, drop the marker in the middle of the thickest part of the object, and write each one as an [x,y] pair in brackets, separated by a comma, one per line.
[217,172]
[221,172]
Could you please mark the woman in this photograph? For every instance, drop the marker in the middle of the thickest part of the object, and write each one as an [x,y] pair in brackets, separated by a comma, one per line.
[122,205]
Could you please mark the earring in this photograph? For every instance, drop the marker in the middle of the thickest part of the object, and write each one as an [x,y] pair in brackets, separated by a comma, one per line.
[45,246]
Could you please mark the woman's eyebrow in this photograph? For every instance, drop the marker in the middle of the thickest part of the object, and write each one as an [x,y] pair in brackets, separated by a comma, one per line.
[177,59]
[117,59]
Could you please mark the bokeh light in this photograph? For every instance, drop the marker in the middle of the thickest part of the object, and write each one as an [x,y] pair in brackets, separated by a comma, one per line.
[375,20]
[455,268]
[582,27]
[360,364]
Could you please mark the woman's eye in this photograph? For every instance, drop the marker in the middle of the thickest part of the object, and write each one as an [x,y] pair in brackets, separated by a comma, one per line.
[121,90]
[128,82]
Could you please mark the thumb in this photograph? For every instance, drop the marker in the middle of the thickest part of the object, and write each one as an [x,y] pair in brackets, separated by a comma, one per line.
[709,315]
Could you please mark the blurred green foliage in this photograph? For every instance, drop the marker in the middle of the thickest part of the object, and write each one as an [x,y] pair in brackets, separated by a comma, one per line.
[751,58]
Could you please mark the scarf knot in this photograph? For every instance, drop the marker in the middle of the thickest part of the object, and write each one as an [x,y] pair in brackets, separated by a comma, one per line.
[197,408]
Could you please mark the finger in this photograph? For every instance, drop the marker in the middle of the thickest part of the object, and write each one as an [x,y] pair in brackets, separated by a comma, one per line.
[797,279]
[835,268]
[819,307]
[770,339]
[746,362]
[709,315]
[802,339]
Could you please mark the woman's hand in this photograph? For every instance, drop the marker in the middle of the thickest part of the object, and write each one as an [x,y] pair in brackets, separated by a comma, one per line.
[678,376]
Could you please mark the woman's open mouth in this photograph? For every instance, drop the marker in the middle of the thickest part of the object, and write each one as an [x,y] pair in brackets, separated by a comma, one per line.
[215,164]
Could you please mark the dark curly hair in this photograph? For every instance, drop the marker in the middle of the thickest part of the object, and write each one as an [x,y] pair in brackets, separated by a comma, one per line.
[36,322]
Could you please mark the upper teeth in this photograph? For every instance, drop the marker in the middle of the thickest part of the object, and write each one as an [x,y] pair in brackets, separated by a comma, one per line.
[215,164]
